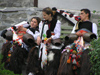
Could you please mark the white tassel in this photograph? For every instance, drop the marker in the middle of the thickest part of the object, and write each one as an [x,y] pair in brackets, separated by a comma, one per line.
[15,37]
[74,61]
[30,73]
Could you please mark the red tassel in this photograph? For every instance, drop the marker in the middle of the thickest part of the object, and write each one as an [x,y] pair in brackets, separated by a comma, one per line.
[78,65]
[74,67]
[71,50]
[77,58]
[69,57]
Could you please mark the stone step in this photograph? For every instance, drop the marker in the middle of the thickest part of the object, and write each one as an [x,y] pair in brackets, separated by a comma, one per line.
[67,27]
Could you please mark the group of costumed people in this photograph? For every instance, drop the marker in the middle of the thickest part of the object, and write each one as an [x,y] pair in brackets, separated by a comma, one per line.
[44,35]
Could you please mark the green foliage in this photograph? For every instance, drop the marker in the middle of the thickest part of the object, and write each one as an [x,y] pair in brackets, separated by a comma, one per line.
[95,56]
[3,71]
[94,11]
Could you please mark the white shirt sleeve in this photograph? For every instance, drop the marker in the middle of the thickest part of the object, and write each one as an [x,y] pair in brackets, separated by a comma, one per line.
[34,35]
[57,30]
[24,23]
[40,28]
[73,31]
[94,29]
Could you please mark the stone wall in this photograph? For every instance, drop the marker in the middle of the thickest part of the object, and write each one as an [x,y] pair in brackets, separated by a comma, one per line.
[16,3]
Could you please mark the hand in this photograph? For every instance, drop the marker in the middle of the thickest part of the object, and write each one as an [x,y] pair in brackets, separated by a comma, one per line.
[21,28]
[78,33]
[83,33]
[48,40]
[38,41]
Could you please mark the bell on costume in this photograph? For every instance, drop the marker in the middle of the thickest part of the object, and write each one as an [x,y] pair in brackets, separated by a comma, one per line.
[8,35]
[57,42]
[71,37]
[89,36]
[28,39]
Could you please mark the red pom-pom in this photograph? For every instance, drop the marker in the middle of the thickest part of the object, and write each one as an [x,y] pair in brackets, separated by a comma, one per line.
[69,57]
[74,67]
[78,65]
[77,58]
[71,50]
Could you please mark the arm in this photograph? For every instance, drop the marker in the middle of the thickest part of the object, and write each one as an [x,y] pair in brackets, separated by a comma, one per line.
[40,28]
[39,35]
[21,28]
[23,23]
[94,29]
[73,31]
[31,33]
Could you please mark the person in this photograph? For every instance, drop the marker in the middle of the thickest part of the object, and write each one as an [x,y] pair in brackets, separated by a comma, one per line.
[13,49]
[80,45]
[85,23]
[54,26]
[33,28]
[50,29]
[20,29]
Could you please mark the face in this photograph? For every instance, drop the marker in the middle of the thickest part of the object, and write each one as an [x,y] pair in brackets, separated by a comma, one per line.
[83,16]
[33,23]
[46,16]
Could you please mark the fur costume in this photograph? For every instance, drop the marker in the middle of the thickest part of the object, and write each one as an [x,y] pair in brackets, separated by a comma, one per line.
[5,49]
[75,59]
[34,63]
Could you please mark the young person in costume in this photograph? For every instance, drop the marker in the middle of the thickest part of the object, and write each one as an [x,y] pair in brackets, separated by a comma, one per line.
[80,46]
[85,23]
[22,29]
[16,52]
[33,29]
[54,25]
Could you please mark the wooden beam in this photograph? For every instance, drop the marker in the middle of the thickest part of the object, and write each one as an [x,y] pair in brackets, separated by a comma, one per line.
[35,3]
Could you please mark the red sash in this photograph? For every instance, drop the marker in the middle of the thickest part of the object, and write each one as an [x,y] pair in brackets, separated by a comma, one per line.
[20,34]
